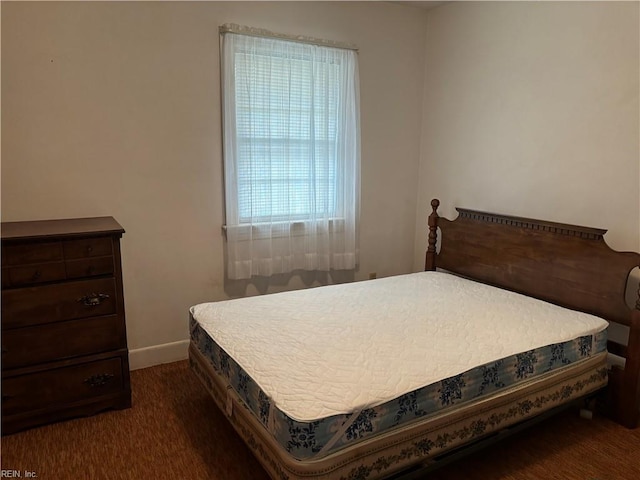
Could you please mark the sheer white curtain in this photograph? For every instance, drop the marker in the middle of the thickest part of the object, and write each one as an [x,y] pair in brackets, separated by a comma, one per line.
[291,155]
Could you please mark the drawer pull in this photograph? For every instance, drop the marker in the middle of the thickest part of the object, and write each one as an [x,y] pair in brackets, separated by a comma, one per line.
[98,380]
[6,397]
[36,275]
[93,299]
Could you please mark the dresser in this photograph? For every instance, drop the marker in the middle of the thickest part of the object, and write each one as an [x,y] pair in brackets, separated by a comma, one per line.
[64,345]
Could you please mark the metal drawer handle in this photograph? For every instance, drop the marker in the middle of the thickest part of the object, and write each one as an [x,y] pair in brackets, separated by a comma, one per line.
[93,299]
[98,380]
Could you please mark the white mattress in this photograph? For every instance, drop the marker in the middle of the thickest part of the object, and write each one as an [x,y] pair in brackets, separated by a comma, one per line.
[337,349]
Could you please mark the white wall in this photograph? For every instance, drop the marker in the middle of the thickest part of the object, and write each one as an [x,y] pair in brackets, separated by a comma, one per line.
[531,109]
[114,109]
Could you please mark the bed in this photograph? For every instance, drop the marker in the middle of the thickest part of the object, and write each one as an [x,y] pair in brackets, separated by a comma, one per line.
[367,380]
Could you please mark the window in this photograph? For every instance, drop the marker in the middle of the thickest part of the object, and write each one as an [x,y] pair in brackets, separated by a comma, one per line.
[292,155]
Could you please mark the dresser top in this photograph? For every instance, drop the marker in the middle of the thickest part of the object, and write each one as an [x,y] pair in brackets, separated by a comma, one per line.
[60,228]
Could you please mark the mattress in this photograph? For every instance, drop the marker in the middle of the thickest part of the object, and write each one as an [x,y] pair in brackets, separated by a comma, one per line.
[326,367]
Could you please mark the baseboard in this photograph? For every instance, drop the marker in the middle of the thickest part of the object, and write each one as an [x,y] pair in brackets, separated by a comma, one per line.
[158,354]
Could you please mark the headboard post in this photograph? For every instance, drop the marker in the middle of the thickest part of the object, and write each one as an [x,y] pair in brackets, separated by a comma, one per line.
[626,384]
[430,262]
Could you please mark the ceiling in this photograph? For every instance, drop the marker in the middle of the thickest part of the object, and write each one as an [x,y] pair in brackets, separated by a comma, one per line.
[420,4]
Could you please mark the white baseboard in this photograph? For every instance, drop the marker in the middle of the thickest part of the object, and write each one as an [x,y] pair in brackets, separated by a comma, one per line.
[158,354]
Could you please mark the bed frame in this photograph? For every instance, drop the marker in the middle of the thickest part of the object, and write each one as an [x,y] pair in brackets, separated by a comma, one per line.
[563,264]
[567,265]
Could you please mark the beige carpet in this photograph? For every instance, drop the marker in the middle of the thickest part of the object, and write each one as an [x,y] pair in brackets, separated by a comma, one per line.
[174,431]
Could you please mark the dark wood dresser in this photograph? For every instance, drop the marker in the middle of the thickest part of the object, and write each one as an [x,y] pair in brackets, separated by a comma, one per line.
[64,344]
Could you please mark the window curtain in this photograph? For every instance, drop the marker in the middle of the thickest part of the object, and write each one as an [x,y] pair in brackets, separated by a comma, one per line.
[291,155]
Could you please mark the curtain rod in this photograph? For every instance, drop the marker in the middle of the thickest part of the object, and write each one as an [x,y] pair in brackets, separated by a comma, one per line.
[261,32]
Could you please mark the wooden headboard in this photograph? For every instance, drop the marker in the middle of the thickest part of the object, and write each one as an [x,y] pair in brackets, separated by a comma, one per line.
[567,265]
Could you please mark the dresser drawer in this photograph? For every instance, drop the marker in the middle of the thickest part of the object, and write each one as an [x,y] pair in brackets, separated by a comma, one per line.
[22,307]
[5,276]
[89,267]
[87,247]
[48,388]
[35,273]
[22,347]
[36,252]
